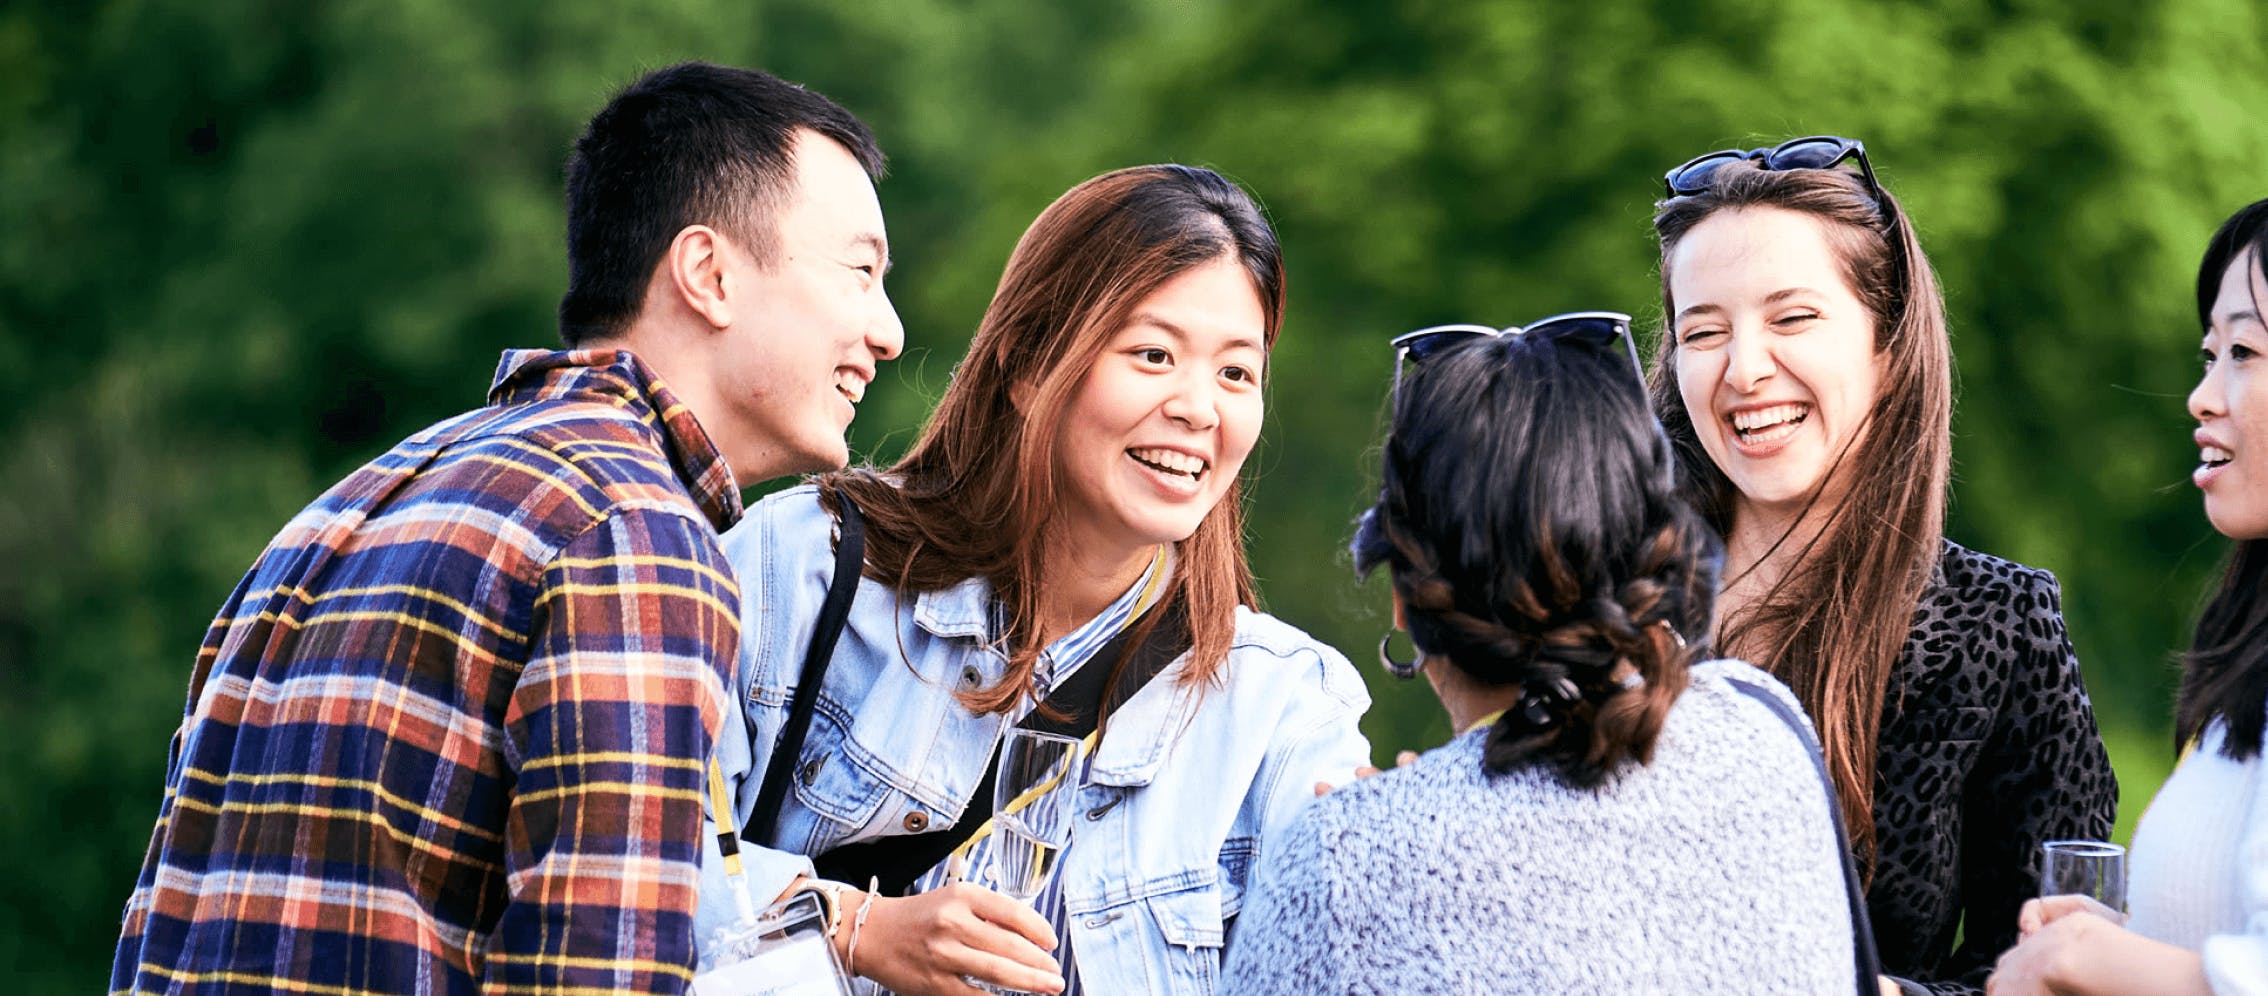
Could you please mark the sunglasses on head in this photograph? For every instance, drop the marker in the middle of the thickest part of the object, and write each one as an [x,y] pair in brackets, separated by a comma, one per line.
[1813,152]
[1597,328]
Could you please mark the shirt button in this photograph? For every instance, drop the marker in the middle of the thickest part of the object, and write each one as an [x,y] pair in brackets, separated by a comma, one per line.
[810,771]
[917,821]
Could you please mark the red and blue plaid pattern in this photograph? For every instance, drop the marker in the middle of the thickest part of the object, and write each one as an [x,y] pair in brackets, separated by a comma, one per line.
[448,734]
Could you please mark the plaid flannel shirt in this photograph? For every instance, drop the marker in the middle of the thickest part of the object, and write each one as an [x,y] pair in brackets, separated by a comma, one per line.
[449,733]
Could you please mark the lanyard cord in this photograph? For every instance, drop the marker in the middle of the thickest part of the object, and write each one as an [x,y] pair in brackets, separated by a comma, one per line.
[1152,589]
[728,832]
[728,843]
[1487,721]
[1024,801]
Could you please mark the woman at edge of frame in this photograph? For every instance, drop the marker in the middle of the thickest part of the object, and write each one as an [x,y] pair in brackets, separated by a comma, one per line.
[1089,444]
[1805,378]
[2197,876]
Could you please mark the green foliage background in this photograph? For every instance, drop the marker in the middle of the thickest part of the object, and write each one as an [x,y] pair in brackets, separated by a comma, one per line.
[247,244]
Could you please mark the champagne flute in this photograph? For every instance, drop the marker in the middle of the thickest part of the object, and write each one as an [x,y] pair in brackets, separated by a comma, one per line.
[1031,812]
[1031,809]
[2089,868]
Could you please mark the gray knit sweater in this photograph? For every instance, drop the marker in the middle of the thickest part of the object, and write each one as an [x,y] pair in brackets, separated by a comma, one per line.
[1712,869]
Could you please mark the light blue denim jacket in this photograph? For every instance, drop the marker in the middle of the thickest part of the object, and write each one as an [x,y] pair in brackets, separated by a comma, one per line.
[1184,788]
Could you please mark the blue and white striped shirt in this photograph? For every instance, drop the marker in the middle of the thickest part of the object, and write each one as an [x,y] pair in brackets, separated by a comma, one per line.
[1058,662]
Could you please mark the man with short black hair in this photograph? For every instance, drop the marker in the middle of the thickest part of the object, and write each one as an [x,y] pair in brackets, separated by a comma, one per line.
[450,732]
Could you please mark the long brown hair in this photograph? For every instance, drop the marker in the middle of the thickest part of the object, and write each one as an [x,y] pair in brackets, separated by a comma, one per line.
[975,496]
[1833,625]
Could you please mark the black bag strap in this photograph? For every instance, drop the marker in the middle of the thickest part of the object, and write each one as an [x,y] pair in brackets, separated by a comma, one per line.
[1081,702]
[1862,927]
[850,561]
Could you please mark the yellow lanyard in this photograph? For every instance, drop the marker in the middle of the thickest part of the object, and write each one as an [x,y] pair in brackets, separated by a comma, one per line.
[1018,804]
[1487,721]
[728,842]
[1152,589]
[728,830]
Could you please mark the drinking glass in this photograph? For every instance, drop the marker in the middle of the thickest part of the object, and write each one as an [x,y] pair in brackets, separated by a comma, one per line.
[2089,868]
[1031,813]
[1031,809]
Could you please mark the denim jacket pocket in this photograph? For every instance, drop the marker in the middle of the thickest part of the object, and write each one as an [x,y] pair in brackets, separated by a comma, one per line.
[1190,922]
[1236,873]
[833,796]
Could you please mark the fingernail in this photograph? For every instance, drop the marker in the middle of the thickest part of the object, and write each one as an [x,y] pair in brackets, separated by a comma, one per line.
[1405,757]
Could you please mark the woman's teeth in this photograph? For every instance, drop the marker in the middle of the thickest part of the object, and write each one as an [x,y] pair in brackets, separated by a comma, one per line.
[1766,425]
[2214,456]
[1170,461]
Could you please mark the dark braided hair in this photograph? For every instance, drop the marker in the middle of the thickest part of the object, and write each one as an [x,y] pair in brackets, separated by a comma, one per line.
[1530,520]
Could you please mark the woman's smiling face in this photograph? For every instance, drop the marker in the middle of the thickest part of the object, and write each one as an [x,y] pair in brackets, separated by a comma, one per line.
[2230,405]
[1159,427]
[1776,358]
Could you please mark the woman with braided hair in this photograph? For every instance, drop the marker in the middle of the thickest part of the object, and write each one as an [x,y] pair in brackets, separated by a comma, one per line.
[1613,817]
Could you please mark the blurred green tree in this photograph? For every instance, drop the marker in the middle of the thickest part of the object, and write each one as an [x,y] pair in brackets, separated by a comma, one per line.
[249,244]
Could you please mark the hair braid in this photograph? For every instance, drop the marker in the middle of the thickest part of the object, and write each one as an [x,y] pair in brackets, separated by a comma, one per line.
[1572,572]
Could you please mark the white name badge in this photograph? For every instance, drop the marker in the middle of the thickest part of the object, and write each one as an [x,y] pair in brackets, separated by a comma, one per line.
[785,952]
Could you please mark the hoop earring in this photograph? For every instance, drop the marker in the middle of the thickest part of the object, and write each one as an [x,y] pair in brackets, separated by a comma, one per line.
[1401,670]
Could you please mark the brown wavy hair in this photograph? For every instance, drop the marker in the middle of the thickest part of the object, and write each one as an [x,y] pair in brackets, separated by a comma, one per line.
[975,496]
[1530,520]
[1833,626]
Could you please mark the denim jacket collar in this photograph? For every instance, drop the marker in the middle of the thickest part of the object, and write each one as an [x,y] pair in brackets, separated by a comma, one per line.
[963,610]
[1142,730]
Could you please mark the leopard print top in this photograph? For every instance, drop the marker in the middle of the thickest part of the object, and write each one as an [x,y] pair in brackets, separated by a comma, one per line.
[1988,747]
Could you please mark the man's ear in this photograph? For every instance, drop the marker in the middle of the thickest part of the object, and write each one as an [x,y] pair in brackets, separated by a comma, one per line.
[695,265]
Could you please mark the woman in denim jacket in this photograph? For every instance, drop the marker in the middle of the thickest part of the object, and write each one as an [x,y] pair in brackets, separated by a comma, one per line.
[1077,482]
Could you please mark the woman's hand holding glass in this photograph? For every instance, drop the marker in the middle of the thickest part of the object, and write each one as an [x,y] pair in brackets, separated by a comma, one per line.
[933,943]
[2082,898]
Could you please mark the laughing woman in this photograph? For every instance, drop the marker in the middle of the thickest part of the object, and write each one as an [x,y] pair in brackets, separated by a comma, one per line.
[1806,381]
[2199,872]
[1063,543]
